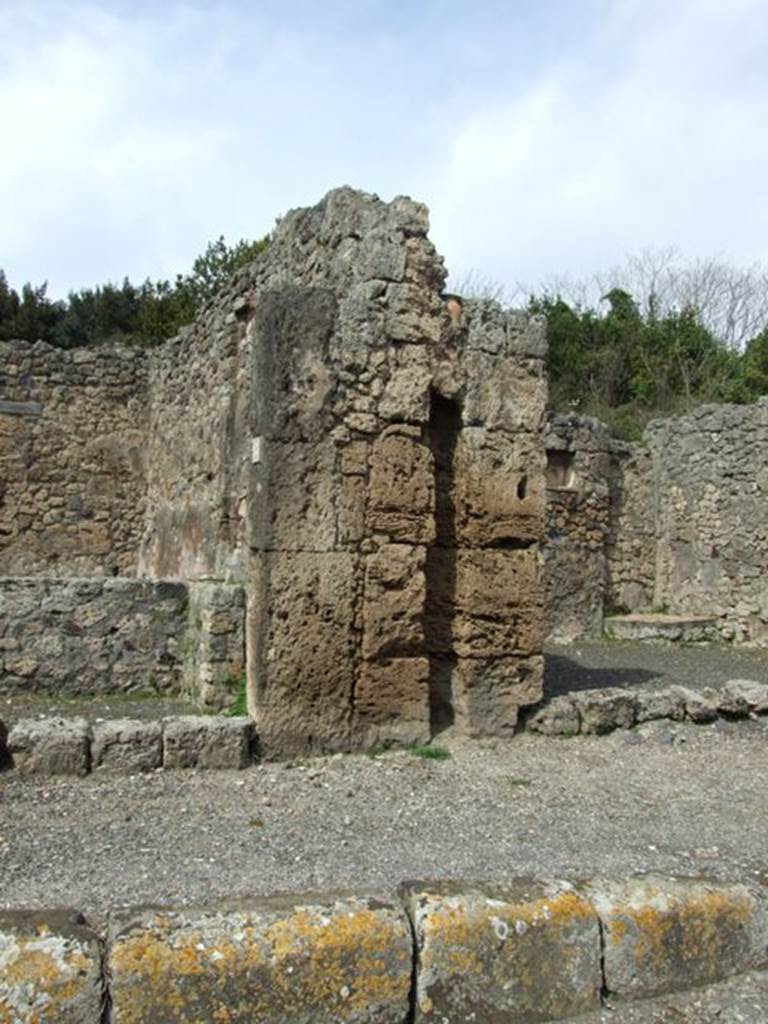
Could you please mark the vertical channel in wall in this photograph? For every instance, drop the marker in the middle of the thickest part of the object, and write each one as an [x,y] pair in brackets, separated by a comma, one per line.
[443,432]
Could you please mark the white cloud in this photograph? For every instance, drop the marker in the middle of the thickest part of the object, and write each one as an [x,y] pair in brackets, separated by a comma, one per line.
[555,141]
[651,133]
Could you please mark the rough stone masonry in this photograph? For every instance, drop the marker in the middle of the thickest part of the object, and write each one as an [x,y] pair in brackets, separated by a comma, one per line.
[357,451]
[365,457]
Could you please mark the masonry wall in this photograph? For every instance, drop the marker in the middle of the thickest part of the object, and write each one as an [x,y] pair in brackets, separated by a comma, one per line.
[63,637]
[198,449]
[677,522]
[711,479]
[73,429]
[366,459]
[583,461]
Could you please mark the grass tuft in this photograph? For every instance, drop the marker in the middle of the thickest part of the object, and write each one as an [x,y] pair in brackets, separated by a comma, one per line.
[429,752]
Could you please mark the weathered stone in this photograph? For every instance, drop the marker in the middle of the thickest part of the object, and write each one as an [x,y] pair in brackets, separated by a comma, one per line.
[498,603]
[499,488]
[50,968]
[324,958]
[401,488]
[206,741]
[127,745]
[304,648]
[525,952]
[749,692]
[730,701]
[489,693]
[394,602]
[700,705]
[665,935]
[78,636]
[652,704]
[604,710]
[54,746]
[557,717]
[392,702]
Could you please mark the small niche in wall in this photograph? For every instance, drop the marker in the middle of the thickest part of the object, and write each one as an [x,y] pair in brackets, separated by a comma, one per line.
[560,472]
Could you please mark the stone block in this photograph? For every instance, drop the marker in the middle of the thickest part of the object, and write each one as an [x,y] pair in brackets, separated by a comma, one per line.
[293,497]
[668,935]
[653,704]
[405,398]
[498,603]
[498,488]
[127,745]
[304,641]
[504,393]
[558,717]
[205,741]
[54,746]
[394,602]
[392,702]
[333,958]
[753,694]
[602,711]
[732,702]
[700,705]
[525,952]
[488,694]
[401,488]
[50,968]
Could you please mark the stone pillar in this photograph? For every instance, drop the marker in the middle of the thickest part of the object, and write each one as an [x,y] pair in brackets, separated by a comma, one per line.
[395,504]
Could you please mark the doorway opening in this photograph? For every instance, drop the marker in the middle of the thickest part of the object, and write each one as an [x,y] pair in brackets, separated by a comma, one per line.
[440,605]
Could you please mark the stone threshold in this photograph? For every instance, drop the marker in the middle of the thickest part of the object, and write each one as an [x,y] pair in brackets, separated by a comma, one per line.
[649,626]
[527,950]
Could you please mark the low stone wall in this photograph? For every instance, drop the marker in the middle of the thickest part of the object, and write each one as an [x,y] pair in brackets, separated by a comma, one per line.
[69,637]
[523,951]
[75,746]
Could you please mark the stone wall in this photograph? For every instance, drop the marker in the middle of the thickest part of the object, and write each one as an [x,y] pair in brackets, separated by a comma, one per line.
[396,496]
[72,440]
[711,483]
[65,637]
[198,450]
[582,461]
[366,459]
[677,523]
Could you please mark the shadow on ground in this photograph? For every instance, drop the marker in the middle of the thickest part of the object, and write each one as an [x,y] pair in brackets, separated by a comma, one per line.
[564,675]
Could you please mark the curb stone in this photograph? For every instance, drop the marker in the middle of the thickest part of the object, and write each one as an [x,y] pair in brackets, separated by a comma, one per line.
[318,958]
[527,951]
[522,952]
[50,968]
[664,935]
[599,711]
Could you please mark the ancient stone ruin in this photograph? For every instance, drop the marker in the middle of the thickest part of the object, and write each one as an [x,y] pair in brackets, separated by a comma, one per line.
[676,524]
[339,484]
[332,481]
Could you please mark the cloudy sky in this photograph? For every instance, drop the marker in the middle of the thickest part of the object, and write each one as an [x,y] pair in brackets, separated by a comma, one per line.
[547,136]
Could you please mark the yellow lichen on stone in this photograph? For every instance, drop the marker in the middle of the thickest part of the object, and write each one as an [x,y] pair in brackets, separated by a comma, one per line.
[242,966]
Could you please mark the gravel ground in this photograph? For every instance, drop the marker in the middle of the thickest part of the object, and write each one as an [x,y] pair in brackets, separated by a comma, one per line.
[670,798]
[673,798]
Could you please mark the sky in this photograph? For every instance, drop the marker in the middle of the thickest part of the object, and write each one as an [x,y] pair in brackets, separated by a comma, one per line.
[547,137]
